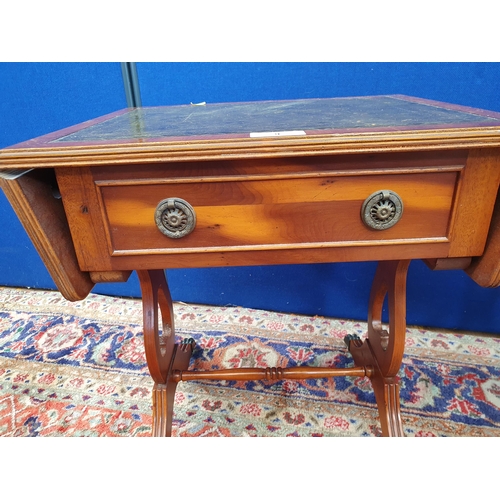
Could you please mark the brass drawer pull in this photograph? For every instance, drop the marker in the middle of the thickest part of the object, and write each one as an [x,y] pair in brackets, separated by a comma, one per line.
[381,210]
[175,217]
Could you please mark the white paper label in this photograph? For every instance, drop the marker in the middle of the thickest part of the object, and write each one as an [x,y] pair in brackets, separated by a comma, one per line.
[282,133]
[12,173]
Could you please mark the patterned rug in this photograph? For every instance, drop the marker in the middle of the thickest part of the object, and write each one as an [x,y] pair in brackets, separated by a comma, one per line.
[78,369]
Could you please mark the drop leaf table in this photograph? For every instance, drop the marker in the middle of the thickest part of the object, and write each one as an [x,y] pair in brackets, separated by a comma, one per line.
[380,178]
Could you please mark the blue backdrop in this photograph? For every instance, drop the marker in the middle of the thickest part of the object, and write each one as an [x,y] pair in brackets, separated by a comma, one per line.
[39,98]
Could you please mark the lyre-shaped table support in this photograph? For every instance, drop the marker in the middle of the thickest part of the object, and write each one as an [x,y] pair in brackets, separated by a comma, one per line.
[163,355]
[379,357]
[383,349]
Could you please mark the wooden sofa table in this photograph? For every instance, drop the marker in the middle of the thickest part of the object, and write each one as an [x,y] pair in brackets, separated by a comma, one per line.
[383,178]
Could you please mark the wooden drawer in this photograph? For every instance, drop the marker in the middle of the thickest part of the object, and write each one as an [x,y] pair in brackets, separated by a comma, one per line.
[299,211]
[278,211]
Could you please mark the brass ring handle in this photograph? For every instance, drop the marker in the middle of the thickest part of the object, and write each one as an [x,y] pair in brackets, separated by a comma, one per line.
[382,209]
[175,217]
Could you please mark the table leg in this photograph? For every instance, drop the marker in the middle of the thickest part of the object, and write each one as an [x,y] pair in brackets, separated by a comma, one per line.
[383,350]
[163,355]
[380,355]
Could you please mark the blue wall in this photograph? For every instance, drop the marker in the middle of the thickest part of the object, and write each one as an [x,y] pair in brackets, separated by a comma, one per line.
[40,98]
[37,99]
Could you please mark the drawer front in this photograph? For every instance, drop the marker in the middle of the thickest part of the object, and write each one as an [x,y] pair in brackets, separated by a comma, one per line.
[293,212]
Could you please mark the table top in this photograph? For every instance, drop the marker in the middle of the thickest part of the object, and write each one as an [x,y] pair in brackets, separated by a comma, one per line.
[253,129]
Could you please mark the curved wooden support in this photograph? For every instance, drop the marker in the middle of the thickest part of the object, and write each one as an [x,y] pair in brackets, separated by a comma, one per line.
[384,349]
[388,346]
[378,357]
[163,355]
[159,346]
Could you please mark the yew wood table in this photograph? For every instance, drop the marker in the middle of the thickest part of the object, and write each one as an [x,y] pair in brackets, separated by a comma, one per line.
[384,178]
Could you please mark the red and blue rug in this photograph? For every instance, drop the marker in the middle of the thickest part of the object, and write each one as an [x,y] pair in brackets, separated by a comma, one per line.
[78,369]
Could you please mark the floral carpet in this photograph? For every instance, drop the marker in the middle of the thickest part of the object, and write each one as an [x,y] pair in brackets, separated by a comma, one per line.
[78,369]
